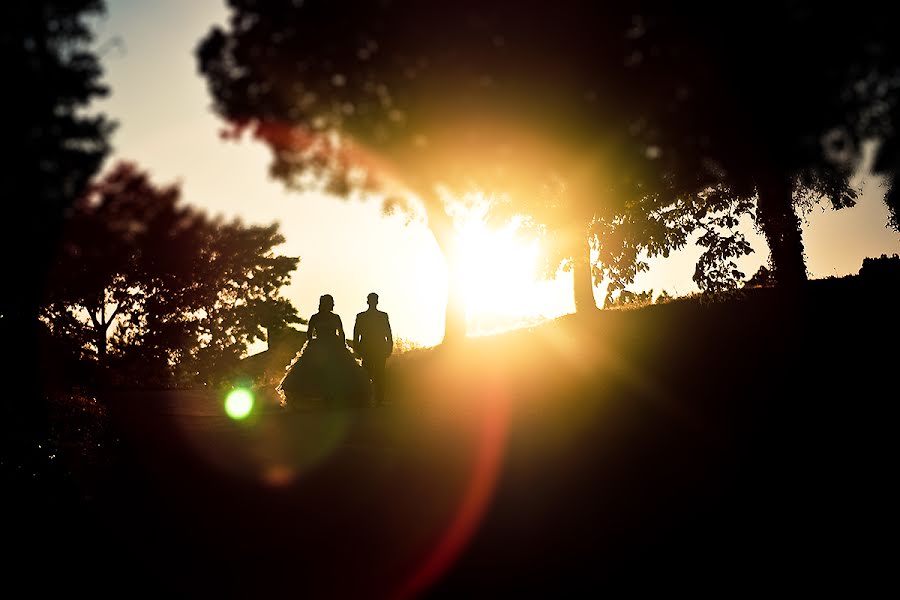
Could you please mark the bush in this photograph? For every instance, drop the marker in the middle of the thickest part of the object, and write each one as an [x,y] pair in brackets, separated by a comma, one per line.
[881,268]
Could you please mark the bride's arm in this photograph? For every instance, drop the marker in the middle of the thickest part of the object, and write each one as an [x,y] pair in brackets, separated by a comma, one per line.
[311,328]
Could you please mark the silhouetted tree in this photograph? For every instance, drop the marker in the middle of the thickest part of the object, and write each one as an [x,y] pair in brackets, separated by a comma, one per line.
[769,102]
[53,147]
[694,118]
[239,297]
[563,221]
[159,285]
[446,96]
[885,126]
[103,267]
[576,225]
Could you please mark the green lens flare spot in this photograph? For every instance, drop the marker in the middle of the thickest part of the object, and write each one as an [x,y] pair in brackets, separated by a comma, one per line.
[238,404]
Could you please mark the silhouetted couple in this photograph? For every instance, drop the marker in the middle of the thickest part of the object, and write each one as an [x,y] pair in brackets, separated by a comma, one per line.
[325,367]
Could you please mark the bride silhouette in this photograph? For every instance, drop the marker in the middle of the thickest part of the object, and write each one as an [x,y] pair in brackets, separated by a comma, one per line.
[325,368]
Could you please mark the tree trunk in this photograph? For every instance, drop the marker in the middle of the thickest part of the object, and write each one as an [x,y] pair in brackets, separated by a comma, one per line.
[99,332]
[101,325]
[101,344]
[582,278]
[781,226]
[441,226]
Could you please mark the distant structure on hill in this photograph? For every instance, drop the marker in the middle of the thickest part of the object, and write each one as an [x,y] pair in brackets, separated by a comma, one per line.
[886,267]
[762,278]
[269,365]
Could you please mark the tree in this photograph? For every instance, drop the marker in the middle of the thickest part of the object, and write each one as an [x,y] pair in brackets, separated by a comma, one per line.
[769,103]
[149,285]
[443,97]
[884,125]
[563,220]
[54,146]
[573,223]
[98,273]
[240,298]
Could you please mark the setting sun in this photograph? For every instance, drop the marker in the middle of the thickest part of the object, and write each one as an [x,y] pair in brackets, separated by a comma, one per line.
[500,278]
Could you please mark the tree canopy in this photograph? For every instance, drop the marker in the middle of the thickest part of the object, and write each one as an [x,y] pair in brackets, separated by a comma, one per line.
[432,98]
[664,126]
[767,102]
[54,147]
[152,288]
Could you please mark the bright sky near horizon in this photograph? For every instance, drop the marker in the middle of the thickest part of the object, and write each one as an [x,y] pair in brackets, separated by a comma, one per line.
[347,248]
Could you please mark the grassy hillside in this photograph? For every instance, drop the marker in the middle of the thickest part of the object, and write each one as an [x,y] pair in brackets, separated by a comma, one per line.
[731,444]
[689,446]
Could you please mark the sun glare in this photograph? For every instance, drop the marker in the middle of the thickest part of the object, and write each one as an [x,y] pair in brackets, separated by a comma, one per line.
[500,278]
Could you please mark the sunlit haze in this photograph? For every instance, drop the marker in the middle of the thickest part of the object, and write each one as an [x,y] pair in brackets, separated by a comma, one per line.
[500,278]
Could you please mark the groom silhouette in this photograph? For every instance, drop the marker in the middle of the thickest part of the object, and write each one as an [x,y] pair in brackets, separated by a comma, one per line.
[373,341]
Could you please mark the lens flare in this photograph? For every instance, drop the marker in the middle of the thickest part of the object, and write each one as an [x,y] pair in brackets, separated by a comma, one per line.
[238,404]
[475,499]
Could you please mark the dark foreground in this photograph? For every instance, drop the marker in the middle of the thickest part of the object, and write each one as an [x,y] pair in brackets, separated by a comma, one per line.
[744,446]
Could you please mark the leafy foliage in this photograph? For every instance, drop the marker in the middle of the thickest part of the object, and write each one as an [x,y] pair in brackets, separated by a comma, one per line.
[888,163]
[716,270]
[151,289]
[753,102]
[660,124]
[456,96]
[55,146]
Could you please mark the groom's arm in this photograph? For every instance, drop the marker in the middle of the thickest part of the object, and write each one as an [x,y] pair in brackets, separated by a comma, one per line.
[390,337]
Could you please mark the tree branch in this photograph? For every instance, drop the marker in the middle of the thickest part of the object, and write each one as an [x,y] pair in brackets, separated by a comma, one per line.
[113,315]
[94,317]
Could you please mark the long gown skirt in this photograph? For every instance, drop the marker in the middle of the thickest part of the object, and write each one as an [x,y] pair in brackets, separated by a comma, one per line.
[328,372]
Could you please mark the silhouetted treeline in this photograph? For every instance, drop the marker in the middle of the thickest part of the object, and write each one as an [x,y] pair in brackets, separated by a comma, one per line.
[53,148]
[148,291]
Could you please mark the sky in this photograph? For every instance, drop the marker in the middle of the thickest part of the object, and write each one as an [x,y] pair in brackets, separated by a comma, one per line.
[348,248]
